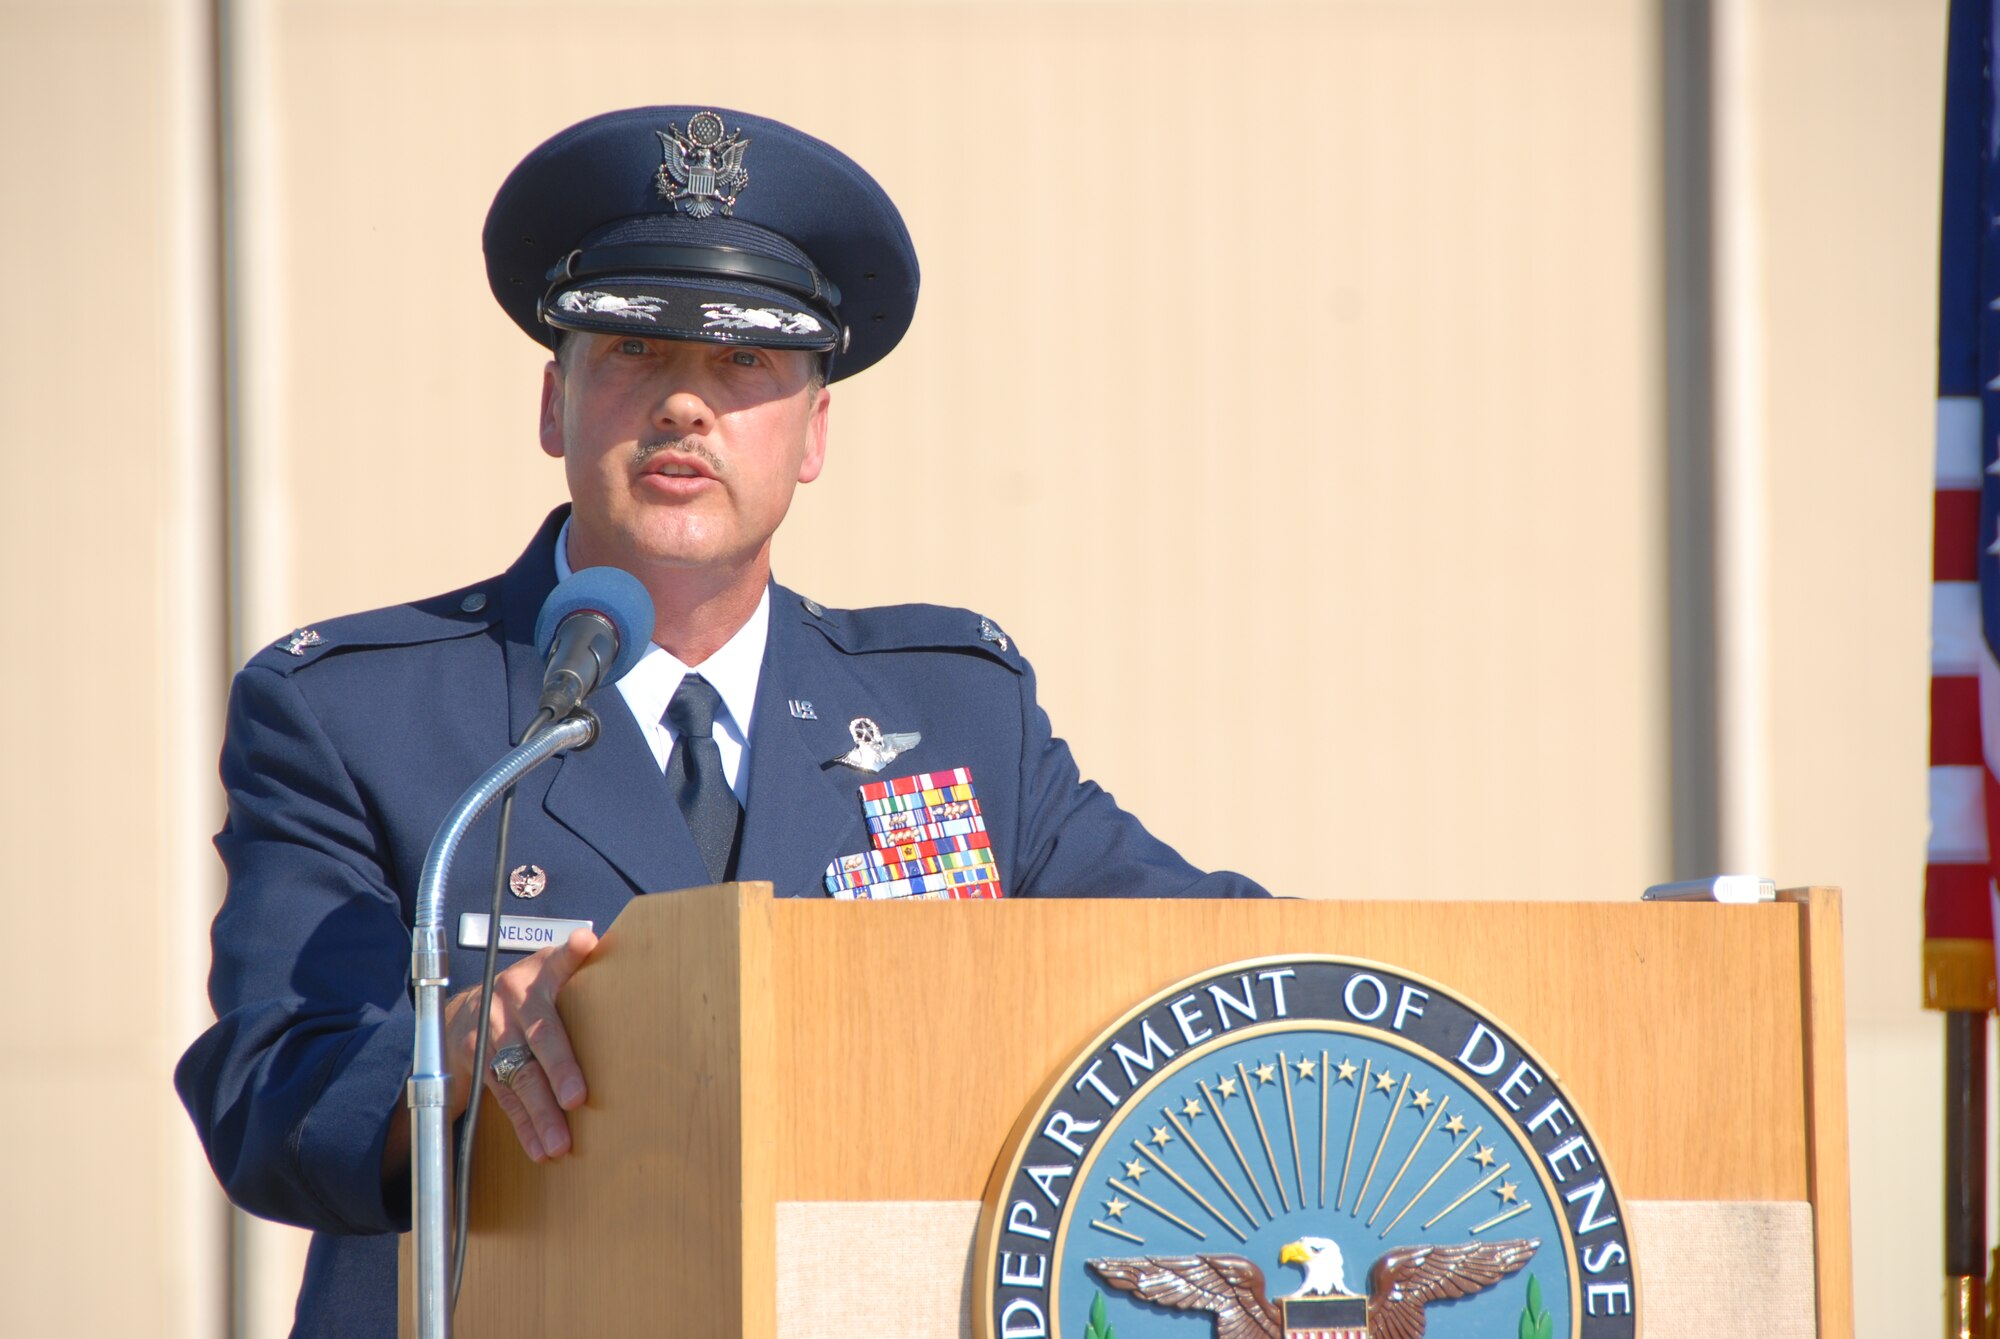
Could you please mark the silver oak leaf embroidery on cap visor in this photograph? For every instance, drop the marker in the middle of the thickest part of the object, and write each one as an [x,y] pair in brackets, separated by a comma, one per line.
[610,304]
[729,316]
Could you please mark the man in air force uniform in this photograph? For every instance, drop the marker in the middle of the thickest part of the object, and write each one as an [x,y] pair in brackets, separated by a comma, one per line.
[699,275]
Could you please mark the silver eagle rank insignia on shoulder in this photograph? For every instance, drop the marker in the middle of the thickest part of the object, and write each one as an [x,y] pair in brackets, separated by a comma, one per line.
[297,643]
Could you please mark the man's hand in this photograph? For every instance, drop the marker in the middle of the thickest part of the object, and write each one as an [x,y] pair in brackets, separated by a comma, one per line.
[522,1012]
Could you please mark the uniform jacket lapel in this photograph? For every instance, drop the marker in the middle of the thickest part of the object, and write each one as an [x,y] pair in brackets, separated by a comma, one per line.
[799,811]
[611,795]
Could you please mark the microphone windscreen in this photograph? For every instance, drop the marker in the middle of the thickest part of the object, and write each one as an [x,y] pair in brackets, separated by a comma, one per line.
[612,592]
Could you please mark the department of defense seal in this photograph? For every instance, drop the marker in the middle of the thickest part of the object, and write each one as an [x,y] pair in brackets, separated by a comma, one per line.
[1304,1146]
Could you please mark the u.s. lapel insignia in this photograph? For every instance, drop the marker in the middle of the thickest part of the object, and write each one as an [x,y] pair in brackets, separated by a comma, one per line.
[873,750]
[702,171]
[297,643]
[527,881]
[801,709]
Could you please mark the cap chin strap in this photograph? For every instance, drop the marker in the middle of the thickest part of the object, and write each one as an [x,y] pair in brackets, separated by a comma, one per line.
[721,262]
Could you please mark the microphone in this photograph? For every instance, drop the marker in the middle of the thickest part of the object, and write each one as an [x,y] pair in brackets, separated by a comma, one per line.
[592,630]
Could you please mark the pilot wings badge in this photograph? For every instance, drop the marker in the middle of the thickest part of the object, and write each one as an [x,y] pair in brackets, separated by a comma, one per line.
[701,171]
[873,748]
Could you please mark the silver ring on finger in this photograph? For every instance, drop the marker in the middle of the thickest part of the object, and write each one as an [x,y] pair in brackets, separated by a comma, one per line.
[508,1064]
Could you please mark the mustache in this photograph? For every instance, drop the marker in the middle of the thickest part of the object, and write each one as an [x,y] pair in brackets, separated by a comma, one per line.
[681,446]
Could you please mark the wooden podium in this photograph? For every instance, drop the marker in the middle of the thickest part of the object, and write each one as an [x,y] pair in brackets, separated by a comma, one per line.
[747,1054]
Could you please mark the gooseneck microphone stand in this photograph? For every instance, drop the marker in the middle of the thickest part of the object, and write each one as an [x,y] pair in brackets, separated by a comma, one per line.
[429,1076]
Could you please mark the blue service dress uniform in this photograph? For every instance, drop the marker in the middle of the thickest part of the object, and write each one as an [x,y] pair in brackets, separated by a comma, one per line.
[343,755]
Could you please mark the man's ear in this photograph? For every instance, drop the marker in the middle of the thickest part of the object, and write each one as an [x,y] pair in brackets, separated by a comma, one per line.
[552,408]
[815,457]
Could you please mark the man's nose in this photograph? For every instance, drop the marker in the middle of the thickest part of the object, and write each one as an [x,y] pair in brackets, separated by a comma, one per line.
[685,411]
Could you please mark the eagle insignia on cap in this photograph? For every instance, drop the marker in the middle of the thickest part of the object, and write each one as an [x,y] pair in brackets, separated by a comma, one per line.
[701,171]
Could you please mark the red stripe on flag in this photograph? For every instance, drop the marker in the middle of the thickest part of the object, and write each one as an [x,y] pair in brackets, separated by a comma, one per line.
[1955,535]
[1990,789]
[1955,721]
[1956,902]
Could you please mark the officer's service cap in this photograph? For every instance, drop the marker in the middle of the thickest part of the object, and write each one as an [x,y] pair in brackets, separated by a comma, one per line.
[707,224]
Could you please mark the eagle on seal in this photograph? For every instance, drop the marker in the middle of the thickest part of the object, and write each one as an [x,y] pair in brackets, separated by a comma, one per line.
[1400,1284]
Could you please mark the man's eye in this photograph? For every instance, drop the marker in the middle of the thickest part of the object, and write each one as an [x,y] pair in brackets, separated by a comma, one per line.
[744,358]
[631,346]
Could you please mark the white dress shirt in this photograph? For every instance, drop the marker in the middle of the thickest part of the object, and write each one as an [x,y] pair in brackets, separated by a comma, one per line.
[732,671]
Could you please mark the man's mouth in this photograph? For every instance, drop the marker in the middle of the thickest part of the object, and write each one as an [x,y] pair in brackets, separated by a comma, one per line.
[680,460]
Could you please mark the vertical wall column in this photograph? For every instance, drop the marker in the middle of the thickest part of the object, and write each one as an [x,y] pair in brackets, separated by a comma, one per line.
[267,1259]
[1718,523]
[1688,301]
[1742,521]
[194,659]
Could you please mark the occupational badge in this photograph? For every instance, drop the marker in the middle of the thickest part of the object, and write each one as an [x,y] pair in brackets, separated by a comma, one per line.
[928,840]
[1304,1146]
[873,750]
[527,881]
[701,171]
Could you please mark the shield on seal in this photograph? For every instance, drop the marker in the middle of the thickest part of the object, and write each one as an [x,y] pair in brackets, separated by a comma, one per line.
[1325,1317]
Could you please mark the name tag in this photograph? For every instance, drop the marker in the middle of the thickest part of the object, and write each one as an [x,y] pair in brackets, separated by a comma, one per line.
[518,934]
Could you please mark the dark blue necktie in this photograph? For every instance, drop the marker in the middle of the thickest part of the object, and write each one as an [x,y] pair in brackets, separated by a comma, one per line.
[694,774]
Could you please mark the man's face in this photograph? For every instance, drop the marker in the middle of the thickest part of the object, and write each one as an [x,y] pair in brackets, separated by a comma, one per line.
[680,455]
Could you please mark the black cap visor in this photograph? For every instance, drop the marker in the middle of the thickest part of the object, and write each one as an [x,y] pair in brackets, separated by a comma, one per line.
[663,307]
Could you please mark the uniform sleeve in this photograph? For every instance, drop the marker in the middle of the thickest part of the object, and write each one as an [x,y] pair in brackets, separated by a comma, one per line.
[1077,842]
[293,1089]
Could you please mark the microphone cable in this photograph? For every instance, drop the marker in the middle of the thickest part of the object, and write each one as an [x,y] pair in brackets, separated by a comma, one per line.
[490,969]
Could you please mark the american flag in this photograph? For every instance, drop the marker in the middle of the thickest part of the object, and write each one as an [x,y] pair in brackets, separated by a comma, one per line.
[1965,561]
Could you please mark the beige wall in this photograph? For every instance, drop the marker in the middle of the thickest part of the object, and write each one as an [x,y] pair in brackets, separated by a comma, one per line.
[1290,348]
[1286,379]
[1850,108]
[112,1222]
